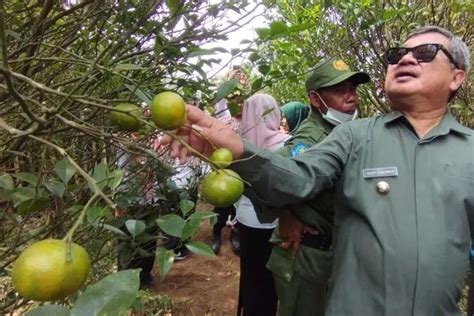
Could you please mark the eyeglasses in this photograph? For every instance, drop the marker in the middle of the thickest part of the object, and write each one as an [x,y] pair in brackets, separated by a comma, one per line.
[422,53]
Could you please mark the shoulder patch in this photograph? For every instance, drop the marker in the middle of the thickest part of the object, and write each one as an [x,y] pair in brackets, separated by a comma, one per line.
[297,149]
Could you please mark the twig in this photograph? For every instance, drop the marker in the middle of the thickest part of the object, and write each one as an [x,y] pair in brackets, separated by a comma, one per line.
[81,171]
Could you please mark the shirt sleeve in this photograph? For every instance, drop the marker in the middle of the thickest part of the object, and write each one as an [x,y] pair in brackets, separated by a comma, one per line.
[276,181]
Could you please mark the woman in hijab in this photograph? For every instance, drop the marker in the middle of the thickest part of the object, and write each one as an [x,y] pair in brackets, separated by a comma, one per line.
[294,112]
[260,126]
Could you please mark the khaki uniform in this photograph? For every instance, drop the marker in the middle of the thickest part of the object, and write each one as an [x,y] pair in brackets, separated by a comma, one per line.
[404,211]
[301,282]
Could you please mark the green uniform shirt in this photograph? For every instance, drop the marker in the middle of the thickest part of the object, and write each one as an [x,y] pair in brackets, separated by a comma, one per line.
[301,282]
[399,252]
[318,213]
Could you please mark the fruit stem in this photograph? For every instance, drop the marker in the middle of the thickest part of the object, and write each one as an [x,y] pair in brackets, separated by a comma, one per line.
[80,219]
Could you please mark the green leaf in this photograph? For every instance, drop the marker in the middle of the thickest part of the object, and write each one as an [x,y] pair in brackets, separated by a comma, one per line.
[128,67]
[264,69]
[55,187]
[201,52]
[112,295]
[27,177]
[171,224]
[117,177]
[202,215]
[144,96]
[200,248]
[191,227]
[95,212]
[22,194]
[135,227]
[6,182]
[257,84]
[99,174]
[64,170]
[186,206]
[254,57]
[31,206]
[110,228]
[164,260]
[234,51]
[13,34]
[48,310]
[262,32]
[173,6]
[277,28]
[194,222]
[225,89]
[245,41]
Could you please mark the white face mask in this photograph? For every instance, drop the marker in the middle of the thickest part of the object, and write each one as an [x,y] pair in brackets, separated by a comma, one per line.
[336,117]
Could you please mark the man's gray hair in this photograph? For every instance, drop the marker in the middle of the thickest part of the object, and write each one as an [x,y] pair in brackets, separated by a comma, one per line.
[458,49]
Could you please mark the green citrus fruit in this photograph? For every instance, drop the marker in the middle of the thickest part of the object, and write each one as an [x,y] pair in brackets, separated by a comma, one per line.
[222,188]
[222,157]
[168,110]
[128,121]
[45,272]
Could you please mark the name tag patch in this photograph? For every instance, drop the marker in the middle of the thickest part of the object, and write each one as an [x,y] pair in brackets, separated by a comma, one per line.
[380,172]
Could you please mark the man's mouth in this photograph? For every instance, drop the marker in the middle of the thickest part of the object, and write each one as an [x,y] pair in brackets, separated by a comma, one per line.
[405,74]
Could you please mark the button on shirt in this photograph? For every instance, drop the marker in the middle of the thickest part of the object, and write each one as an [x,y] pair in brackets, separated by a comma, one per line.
[404,252]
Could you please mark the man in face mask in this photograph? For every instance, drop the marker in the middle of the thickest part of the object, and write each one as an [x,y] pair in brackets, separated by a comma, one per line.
[302,273]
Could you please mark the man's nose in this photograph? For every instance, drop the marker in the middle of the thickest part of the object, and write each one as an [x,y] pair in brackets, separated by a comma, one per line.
[408,59]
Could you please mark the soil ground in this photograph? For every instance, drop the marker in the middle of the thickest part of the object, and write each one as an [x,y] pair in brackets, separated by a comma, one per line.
[201,285]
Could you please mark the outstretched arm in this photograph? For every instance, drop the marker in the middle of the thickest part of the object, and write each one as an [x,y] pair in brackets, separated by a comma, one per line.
[203,133]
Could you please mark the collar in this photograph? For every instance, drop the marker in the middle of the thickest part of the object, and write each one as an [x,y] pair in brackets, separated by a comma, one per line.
[448,123]
[314,115]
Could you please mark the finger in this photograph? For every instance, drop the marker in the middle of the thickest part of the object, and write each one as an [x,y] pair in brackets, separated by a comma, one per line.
[175,149]
[198,117]
[295,248]
[165,140]
[183,155]
[285,244]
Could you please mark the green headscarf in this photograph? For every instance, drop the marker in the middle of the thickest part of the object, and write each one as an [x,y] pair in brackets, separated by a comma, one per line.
[295,112]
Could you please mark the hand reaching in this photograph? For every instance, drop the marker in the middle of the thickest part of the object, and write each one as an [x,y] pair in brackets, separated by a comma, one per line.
[203,134]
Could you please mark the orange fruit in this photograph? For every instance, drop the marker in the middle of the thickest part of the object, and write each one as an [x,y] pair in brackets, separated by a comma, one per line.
[222,188]
[222,157]
[168,110]
[46,272]
[128,121]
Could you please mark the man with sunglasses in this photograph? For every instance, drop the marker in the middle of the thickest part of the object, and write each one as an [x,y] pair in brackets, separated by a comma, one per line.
[301,257]
[403,181]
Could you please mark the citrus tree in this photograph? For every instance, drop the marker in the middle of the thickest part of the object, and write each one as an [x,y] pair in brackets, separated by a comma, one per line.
[78,161]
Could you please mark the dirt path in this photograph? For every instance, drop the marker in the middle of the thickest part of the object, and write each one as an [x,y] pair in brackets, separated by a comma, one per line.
[204,286]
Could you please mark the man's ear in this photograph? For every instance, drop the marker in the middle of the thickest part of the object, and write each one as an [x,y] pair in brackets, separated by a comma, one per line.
[458,78]
[313,99]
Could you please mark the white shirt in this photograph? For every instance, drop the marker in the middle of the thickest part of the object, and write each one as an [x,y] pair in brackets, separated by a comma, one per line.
[245,213]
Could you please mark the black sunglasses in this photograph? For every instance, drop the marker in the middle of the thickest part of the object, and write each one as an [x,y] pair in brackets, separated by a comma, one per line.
[422,53]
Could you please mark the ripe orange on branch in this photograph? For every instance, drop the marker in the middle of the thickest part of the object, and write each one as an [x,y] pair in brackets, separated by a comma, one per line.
[222,187]
[45,271]
[168,110]
[128,121]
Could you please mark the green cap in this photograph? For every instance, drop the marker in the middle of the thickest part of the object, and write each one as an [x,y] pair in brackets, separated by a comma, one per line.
[332,72]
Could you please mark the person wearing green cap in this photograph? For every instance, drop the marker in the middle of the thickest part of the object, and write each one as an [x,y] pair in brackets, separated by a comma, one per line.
[301,269]
[294,113]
